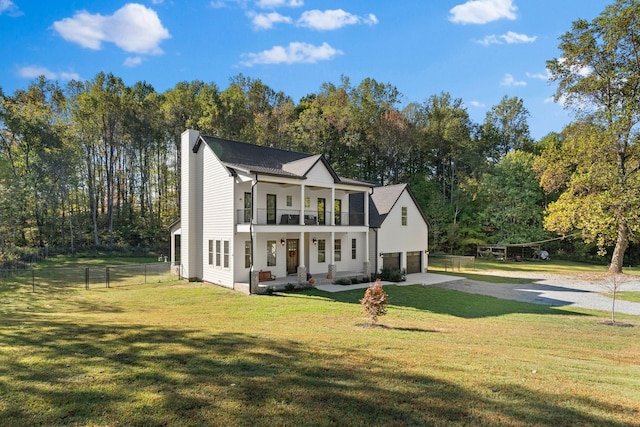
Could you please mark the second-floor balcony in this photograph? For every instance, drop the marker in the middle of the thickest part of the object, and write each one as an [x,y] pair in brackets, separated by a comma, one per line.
[292,217]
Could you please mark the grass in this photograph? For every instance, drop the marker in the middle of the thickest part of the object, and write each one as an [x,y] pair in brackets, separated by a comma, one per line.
[625,296]
[64,261]
[187,354]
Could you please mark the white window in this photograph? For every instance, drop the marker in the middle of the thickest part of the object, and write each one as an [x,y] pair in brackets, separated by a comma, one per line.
[337,248]
[210,252]
[247,254]
[271,253]
[226,254]
[404,215]
[321,250]
[218,253]
[353,248]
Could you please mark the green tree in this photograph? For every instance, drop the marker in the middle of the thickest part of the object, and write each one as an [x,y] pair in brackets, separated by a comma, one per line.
[598,73]
[512,201]
[592,199]
[36,161]
[506,129]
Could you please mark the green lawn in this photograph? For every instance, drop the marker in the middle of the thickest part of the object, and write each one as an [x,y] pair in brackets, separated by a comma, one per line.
[65,261]
[188,354]
[626,296]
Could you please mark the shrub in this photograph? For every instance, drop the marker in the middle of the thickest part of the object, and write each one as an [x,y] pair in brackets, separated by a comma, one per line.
[392,275]
[374,302]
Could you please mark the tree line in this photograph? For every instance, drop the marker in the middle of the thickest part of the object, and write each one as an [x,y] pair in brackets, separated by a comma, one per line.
[96,164]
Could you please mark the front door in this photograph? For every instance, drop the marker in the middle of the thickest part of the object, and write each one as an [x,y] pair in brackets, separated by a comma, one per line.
[292,256]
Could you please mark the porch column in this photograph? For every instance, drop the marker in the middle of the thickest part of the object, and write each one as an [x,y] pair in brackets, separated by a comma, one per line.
[367,255]
[333,269]
[254,282]
[254,205]
[301,205]
[366,208]
[333,206]
[332,251]
[302,270]
[302,249]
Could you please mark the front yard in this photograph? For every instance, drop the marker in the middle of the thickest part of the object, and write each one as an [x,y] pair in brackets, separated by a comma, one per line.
[190,354]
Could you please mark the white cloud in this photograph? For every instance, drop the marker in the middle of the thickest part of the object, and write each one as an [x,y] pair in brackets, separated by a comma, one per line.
[509,80]
[482,11]
[332,19]
[10,8]
[133,28]
[265,21]
[132,61]
[477,104]
[296,52]
[509,38]
[34,71]
[540,76]
[267,4]
[489,40]
[580,70]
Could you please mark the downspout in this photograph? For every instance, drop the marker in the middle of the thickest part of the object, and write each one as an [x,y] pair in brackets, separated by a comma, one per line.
[251,232]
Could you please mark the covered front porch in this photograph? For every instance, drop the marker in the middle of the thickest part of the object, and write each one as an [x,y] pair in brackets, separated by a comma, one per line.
[320,278]
[279,260]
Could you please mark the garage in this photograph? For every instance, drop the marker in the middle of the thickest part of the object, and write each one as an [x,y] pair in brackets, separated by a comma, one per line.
[391,260]
[414,262]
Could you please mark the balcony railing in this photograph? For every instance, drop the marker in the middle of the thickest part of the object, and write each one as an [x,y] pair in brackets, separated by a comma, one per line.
[292,217]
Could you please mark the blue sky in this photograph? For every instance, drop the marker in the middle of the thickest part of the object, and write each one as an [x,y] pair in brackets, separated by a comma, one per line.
[477,50]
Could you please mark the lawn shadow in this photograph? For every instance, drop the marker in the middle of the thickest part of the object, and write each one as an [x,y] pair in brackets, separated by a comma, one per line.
[440,300]
[114,374]
[394,328]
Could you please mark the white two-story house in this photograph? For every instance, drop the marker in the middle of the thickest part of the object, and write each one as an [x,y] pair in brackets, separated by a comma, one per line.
[252,213]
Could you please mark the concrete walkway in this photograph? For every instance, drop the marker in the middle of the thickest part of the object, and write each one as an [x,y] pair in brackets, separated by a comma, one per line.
[424,279]
[560,290]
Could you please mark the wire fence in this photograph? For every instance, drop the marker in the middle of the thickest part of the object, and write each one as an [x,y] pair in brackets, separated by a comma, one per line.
[91,277]
[452,262]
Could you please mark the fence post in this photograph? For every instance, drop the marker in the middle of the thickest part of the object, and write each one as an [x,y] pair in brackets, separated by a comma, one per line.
[33,280]
[107,278]
[86,278]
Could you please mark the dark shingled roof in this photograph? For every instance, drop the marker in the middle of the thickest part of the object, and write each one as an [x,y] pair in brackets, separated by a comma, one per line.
[381,201]
[253,158]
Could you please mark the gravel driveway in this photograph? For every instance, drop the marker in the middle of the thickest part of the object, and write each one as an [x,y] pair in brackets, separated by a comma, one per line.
[553,289]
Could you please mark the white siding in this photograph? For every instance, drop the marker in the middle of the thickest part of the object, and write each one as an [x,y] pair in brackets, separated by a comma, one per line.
[218,217]
[347,263]
[190,209]
[319,175]
[260,253]
[241,274]
[394,237]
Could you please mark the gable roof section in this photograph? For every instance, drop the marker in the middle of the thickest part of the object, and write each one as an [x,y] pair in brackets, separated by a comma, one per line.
[251,158]
[382,201]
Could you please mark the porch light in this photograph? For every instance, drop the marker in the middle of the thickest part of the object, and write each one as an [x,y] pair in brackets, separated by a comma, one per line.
[315,241]
[381,255]
[281,242]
